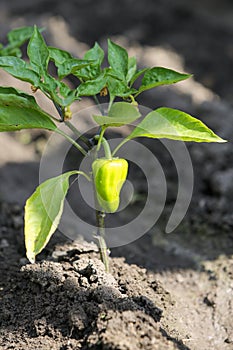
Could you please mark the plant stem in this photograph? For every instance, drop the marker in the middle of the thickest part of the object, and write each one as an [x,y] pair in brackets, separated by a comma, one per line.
[119,146]
[102,141]
[107,150]
[98,104]
[70,125]
[100,138]
[76,132]
[104,252]
[58,131]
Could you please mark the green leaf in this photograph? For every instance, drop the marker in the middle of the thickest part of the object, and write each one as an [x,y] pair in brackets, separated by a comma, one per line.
[10,51]
[19,69]
[120,113]
[88,73]
[18,36]
[175,125]
[38,52]
[58,90]
[58,56]
[95,54]
[71,66]
[92,87]
[160,76]
[118,59]
[132,68]
[43,212]
[20,111]
[118,88]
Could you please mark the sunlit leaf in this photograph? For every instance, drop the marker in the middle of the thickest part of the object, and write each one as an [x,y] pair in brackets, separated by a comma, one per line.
[120,113]
[58,56]
[43,212]
[92,87]
[70,66]
[118,59]
[18,36]
[160,76]
[173,124]
[38,52]
[20,111]
[118,88]
[19,69]
[95,54]
[132,68]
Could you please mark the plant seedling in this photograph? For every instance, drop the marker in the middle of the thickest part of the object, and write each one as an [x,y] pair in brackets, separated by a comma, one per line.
[19,110]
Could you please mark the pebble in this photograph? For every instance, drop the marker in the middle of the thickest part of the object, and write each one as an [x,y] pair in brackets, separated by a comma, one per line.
[4,243]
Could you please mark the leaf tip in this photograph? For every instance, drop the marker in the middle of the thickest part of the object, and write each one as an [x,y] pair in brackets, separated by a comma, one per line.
[220,140]
[31,257]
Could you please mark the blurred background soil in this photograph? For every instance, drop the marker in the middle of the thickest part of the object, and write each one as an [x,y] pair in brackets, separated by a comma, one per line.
[177,288]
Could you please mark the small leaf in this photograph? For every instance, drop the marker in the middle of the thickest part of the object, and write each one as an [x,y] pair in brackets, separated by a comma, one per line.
[71,66]
[93,71]
[19,69]
[58,90]
[120,113]
[38,52]
[43,212]
[118,59]
[175,125]
[161,76]
[118,88]
[95,54]
[20,111]
[18,36]
[91,87]
[10,51]
[132,68]
[58,56]
[88,73]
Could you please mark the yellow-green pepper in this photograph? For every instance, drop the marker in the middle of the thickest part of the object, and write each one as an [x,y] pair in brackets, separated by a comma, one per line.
[109,176]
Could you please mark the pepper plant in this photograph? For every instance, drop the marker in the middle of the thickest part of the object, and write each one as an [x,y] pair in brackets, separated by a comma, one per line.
[120,79]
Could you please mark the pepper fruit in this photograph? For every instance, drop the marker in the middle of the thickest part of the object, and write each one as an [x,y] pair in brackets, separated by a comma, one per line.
[109,176]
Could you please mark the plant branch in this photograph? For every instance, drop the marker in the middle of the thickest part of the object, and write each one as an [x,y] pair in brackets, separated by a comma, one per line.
[75,144]
[104,252]
[98,104]
[119,146]
[76,132]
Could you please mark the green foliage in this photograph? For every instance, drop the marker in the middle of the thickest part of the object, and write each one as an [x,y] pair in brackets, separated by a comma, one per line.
[19,69]
[19,110]
[38,52]
[120,113]
[16,38]
[43,212]
[118,60]
[175,125]
[92,87]
[160,76]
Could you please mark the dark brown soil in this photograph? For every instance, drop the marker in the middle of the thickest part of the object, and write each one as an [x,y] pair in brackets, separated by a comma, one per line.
[70,302]
[165,291]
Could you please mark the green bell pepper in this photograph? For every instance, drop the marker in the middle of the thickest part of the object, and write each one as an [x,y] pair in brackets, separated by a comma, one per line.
[109,176]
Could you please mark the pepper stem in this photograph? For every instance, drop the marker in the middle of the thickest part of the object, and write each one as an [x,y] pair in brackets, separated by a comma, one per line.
[104,251]
[102,141]
[107,150]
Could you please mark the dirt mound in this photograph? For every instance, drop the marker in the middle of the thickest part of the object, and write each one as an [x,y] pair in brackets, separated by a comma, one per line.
[70,302]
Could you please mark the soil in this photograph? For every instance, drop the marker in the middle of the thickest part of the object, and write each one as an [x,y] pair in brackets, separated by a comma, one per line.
[164,291]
